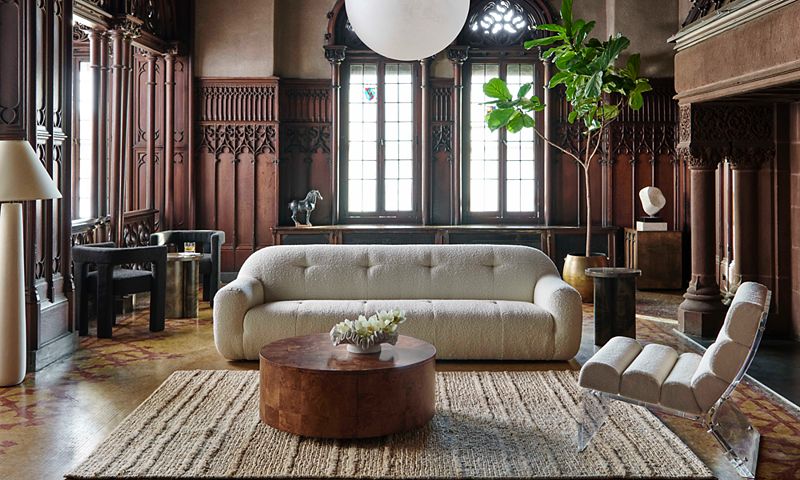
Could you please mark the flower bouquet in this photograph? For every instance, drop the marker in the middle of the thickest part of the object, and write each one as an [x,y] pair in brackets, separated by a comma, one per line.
[365,335]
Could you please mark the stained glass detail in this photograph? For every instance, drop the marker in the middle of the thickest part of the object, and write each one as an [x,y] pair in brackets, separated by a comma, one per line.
[500,23]
[501,17]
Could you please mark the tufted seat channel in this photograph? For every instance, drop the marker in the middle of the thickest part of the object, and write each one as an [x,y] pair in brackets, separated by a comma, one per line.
[686,382]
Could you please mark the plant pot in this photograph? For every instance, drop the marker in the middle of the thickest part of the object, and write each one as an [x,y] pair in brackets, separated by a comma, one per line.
[575,266]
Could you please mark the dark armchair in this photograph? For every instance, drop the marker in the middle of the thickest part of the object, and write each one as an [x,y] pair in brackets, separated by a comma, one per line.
[207,242]
[109,279]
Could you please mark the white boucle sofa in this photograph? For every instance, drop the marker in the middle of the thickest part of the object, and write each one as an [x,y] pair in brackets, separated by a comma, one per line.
[470,301]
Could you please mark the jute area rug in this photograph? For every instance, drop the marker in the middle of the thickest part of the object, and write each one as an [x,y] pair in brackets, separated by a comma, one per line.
[205,424]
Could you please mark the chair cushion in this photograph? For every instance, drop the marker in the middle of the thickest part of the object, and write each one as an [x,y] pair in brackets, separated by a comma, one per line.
[643,378]
[603,371]
[676,391]
[459,329]
[126,280]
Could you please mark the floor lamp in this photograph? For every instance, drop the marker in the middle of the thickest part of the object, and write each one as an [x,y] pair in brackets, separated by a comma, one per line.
[23,178]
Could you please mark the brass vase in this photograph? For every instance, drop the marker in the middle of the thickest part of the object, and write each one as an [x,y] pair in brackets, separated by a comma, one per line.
[575,266]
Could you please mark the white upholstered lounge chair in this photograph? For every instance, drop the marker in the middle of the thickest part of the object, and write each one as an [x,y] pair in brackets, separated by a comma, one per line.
[687,385]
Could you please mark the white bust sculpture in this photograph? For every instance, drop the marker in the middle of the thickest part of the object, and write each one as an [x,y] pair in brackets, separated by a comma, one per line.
[652,200]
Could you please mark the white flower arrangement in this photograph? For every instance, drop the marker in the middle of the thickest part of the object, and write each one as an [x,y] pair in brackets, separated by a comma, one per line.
[366,335]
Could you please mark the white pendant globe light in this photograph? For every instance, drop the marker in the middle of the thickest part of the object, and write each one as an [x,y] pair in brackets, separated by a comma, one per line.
[407,29]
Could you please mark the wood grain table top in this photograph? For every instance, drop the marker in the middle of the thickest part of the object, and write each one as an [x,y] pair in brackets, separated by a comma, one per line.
[317,353]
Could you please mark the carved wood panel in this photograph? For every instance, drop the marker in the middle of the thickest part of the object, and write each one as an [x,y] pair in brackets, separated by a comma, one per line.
[441,148]
[305,107]
[237,163]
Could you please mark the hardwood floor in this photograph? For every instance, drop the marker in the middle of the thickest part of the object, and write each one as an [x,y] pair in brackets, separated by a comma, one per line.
[60,414]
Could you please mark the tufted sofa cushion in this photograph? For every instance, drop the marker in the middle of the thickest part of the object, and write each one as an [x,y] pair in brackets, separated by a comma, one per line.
[346,272]
[470,301]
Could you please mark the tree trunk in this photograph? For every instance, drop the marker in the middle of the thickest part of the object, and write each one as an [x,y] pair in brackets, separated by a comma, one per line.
[588,211]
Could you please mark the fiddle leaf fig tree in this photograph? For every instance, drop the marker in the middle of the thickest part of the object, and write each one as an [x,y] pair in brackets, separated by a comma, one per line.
[595,87]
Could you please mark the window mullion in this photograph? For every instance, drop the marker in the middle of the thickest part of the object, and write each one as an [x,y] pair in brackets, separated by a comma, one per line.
[381,144]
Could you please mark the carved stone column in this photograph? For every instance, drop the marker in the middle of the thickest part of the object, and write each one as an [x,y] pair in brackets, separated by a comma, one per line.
[457,55]
[702,310]
[425,169]
[168,215]
[335,55]
[753,146]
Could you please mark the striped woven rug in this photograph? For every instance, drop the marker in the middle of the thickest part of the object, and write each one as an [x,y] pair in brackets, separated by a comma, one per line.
[204,424]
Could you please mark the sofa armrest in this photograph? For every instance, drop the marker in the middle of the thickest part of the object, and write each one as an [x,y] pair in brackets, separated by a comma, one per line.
[231,303]
[564,303]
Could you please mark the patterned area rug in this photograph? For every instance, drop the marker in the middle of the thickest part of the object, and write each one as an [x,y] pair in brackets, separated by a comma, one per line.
[204,424]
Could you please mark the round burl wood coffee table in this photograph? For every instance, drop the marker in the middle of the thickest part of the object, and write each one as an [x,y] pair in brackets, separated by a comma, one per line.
[313,389]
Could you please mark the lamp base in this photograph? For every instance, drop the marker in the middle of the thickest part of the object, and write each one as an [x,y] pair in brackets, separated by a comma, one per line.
[12,296]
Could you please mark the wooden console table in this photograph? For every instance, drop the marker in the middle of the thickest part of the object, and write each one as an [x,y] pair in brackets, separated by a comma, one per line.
[555,241]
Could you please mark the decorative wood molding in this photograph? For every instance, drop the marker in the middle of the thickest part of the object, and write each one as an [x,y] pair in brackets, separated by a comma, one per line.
[222,138]
[305,101]
[137,227]
[232,100]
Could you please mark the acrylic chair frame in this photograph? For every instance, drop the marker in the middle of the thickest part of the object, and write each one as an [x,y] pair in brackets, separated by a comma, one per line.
[740,444]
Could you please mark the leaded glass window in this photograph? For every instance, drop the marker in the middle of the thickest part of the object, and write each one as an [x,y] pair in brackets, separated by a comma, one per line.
[381,140]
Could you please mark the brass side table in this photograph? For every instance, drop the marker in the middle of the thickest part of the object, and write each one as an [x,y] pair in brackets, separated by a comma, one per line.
[182,283]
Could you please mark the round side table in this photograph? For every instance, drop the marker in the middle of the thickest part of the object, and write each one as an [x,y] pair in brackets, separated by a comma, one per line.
[614,302]
[183,271]
[311,388]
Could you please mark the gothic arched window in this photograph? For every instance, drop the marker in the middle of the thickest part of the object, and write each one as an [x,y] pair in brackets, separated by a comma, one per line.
[502,172]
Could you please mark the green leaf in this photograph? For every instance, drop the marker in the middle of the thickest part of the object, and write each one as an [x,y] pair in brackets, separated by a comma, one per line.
[562,61]
[551,27]
[632,67]
[610,112]
[528,121]
[524,89]
[540,42]
[572,116]
[497,88]
[595,85]
[516,123]
[635,100]
[566,13]
[613,48]
[559,78]
[499,117]
[583,31]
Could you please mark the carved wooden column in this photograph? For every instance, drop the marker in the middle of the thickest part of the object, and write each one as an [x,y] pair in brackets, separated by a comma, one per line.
[167,215]
[701,311]
[94,127]
[335,55]
[152,60]
[117,100]
[457,55]
[102,132]
[548,151]
[126,177]
[425,170]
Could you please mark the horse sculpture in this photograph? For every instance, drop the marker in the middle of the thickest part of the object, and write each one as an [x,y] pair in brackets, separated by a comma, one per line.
[307,205]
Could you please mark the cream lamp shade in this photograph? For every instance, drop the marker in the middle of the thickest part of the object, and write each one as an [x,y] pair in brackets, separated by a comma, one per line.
[407,29]
[23,175]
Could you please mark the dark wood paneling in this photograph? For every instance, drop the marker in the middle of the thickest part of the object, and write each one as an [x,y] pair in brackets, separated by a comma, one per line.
[237,163]
[441,145]
[305,107]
